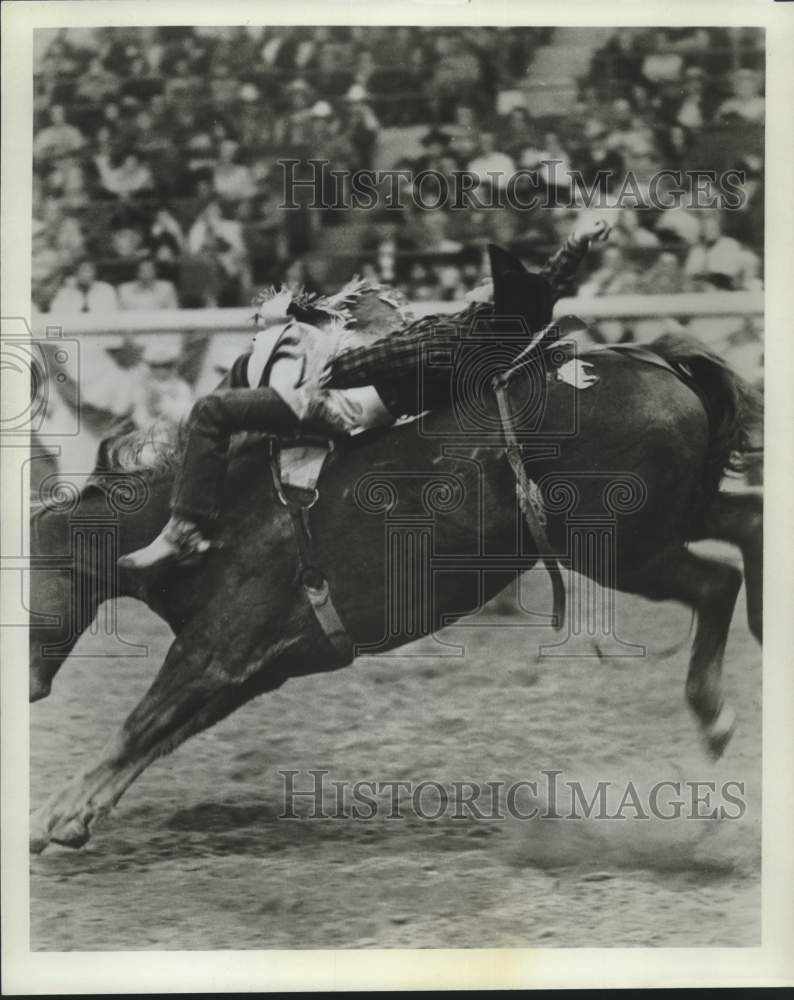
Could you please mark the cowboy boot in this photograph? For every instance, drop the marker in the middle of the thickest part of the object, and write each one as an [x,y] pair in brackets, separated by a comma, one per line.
[180,542]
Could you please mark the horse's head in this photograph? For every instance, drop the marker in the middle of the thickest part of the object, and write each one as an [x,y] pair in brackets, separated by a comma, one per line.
[79,525]
[51,589]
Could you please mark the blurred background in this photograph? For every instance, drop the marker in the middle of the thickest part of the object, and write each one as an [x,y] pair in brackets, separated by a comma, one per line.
[157,183]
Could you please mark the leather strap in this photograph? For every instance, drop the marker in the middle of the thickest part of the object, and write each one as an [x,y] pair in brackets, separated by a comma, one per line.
[529,497]
[298,503]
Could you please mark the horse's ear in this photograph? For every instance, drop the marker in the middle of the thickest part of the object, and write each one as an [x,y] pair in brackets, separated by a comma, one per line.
[503,262]
[518,292]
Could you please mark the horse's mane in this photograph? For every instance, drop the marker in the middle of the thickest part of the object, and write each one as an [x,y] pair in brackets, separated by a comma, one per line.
[151,452]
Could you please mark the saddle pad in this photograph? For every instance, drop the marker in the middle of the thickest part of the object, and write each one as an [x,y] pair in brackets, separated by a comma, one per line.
[300,465]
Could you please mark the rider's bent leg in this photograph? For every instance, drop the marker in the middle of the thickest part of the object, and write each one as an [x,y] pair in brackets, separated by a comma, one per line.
[195,499]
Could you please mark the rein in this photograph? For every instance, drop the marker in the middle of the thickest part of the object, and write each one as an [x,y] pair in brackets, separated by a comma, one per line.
[527,491]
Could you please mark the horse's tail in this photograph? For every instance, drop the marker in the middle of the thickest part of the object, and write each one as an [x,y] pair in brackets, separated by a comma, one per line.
[734,407]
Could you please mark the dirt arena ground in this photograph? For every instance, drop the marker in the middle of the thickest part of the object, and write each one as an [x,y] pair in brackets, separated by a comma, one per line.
[196,857]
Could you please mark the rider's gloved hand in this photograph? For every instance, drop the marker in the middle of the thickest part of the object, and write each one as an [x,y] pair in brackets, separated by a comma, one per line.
[592,229]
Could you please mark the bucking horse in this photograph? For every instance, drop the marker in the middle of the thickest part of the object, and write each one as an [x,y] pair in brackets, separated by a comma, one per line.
[422,516]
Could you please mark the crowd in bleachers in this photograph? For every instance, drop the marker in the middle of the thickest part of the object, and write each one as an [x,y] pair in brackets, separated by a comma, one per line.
[157,181]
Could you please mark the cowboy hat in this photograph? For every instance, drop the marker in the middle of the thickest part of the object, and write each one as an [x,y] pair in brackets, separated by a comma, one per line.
[519,293]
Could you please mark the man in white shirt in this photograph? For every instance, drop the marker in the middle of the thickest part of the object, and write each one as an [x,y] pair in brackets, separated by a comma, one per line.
[718,261]
[59,138]
[147,292]
[491,166]
[83,293]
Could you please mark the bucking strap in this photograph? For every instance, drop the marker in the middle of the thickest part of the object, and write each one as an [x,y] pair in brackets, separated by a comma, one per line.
[529,499]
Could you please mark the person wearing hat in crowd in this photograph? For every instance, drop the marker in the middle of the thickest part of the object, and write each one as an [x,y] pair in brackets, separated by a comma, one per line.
[161,391]
[293,129]
[147,291]
[747,104]
[435,144]
[362,126]
[388,367]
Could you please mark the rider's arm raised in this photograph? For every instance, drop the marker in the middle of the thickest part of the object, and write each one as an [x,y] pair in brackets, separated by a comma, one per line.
[560,269]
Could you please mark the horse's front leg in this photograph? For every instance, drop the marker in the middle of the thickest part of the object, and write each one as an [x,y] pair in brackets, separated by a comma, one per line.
[198,685]
[709,587]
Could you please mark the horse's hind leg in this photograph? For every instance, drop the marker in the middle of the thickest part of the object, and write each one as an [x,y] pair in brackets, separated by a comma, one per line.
[738,518]
[710,588]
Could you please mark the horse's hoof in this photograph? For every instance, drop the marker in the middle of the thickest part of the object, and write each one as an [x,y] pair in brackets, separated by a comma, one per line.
[38,689]
[38,841]
[72,834]
[717,734]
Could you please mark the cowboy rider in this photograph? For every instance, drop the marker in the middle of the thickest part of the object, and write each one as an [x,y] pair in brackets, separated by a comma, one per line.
[283,401]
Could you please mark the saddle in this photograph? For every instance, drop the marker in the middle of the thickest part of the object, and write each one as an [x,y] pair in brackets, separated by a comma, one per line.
[297,468]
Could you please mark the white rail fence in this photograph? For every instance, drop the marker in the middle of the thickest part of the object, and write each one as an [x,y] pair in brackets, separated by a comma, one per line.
[193,321]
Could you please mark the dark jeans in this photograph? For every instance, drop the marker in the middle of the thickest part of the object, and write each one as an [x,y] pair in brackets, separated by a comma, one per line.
[197,491]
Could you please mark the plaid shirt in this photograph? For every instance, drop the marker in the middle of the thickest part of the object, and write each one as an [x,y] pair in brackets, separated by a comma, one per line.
[391,362]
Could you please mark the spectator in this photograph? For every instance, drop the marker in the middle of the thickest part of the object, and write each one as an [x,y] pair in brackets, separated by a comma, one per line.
[83,293]
[224,86]
[221,245]
[45,267]
[67,182]
[491,165]
[362,127]
[718,261]
[138,84]
[166,241]
[463,133]
[161,393]
[231,180]
[184,84]
[126,250]
[130,178]
[550,163]
[60,232]
[630,234]
[423,284]
[746,222]
[662,65]
[96,84]
[665,276]
[457,75]
[747,104]
[365,68]
[331,76]
[517,134]
[691,113]
[265,240]
[293,131]
[677,226]
[615,276]
[147,291]
[59,138]
[630,137]
[601,165]
[619,60]
[436,145]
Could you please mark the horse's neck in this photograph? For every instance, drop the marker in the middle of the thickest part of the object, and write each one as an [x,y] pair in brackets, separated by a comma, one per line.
[115,519]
